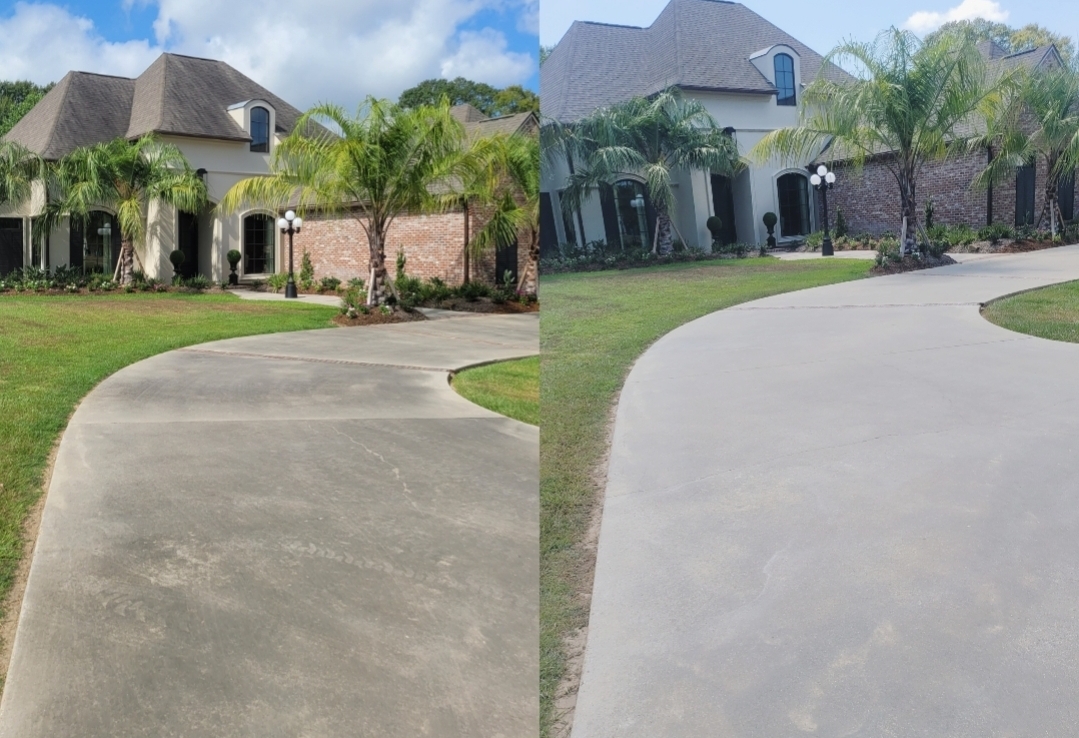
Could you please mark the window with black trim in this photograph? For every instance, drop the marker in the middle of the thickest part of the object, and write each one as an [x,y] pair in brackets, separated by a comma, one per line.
[793,205]
[260,130]
[259,231]
[784,80]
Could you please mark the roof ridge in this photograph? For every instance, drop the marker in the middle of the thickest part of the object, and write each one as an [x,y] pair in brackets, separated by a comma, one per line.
[610,25]
[192,56]
[164,86]
[98,74]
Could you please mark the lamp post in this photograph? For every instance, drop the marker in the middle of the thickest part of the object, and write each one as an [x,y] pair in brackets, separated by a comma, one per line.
[638,205]
[823,181]
[290,224]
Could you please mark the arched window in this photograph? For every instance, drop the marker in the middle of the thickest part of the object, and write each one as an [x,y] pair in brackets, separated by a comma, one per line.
[784,80]
[259,241]
[625,223]
[793,190]
[260,129]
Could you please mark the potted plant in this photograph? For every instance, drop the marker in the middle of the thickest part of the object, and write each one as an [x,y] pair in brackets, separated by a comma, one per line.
[234,257]
[177,258]
[715,227]
[770,221]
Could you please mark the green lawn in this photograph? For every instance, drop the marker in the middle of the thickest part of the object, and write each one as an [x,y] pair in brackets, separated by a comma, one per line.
[593,327]
[1049,312]
[508,387]
[53,350]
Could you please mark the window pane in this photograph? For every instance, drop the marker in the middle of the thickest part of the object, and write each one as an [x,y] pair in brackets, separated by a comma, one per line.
[260,129]
[784,66]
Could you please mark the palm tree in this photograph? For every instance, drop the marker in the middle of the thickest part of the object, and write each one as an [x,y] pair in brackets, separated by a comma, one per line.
[509,184]
[125,176]
[387,161]
[1039,120]
[906,106]
[19,169]
[651,138]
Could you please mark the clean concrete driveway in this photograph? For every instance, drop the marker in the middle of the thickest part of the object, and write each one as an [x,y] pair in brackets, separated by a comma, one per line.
[847,511]
[304,534]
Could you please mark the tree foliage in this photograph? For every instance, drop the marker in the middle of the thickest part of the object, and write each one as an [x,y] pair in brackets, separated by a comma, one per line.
[908,104]
[387,161]
[1012,40]
[489,100]
[16,100]
[648,138]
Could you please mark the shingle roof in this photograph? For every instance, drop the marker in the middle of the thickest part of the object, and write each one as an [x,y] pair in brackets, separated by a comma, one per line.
[694,44]
[507,124]
[177,95]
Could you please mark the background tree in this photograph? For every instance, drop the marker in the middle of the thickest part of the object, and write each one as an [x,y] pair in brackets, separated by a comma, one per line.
[1012,40]
[387,161]
[125,177]
[908,99]
[16,100]
[489,100]
[650,138]
[1038,120]
[544,52]
[508,168]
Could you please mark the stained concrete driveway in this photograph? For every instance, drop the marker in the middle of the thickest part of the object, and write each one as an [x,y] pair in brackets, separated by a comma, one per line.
[305,534]
[848,511]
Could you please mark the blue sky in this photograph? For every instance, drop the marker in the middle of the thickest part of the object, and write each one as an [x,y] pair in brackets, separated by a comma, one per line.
[821,24]
[315,51]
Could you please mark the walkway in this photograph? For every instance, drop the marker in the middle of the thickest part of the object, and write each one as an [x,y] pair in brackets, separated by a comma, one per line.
[852,510]
[303,534]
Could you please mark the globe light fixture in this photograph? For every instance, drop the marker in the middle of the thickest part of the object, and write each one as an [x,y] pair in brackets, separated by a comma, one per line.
[290,224]
[823,180]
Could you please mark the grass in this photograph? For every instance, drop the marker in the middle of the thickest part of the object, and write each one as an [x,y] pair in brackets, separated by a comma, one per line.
[508,387]
[593,327]
[1049,312]
[54,350]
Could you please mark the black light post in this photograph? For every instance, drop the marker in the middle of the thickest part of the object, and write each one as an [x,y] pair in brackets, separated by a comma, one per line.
[290,224]
[823,181]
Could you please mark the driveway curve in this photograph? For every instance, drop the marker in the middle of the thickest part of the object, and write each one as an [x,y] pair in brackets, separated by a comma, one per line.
[303,534]
[847,511]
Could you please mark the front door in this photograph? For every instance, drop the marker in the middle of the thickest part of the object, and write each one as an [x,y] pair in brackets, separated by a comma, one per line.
[506,261]
[723,207]
[188,242]
[10,245]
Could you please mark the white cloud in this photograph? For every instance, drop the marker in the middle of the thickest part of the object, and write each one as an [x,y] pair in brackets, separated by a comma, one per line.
[483,57]
[324,50]
[925,20]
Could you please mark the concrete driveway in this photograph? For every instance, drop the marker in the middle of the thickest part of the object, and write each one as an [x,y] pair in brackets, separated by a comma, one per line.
[847,511]
[304,534]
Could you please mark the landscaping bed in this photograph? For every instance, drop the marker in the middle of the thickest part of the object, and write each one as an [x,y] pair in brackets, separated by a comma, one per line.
[378,317]
[483,305]
[911,264]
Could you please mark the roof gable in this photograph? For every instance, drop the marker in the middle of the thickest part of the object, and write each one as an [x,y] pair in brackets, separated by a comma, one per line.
[694,44]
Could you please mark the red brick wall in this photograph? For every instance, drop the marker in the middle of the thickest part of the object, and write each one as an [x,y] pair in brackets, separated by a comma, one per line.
[433,247]
[870,199]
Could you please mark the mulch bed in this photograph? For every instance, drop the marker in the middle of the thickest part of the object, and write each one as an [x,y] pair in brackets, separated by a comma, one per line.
[1004,246]
[377,317]
[912,264]
[484,305]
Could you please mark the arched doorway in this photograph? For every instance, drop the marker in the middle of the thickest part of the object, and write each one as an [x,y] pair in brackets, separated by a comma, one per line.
[627,225]
[259,244]
[94,244]
[793,194]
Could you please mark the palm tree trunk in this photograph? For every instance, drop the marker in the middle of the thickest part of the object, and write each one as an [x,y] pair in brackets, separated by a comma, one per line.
[909,213]
[376,283]
[127,261]
[1050,206]
[527,285]
[664,232]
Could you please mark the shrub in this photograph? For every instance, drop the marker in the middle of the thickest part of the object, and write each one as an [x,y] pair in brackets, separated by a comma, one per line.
[995,232]
[929,213]
[887,251]
[840,224]
[277,282]
[177,258]
[355,283]
[714,226]
[815,240]
[198,282]
[307,272]
[473,291]
[770,220]
[326,284]
[353,301]
[233,257]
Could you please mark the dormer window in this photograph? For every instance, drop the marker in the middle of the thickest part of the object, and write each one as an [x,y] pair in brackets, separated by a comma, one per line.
[784,80]
[260,130]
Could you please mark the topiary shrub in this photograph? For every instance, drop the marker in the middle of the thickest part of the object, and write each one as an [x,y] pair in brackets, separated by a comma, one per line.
[177,258]
[715,227]
[840,223]
[770,221]
[233,257]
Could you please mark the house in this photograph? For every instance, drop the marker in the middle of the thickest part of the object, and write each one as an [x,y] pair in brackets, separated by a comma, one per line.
[869,199]
[433,243]
[224,123]
[747,72]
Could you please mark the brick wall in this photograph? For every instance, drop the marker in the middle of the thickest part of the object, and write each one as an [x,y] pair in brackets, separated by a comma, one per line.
[433,245]
[870,199]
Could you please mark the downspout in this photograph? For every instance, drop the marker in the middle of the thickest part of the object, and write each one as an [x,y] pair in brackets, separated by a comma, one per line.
[464,205]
